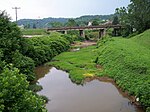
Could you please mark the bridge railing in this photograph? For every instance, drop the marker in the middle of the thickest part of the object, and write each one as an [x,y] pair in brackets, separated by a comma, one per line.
[83,28]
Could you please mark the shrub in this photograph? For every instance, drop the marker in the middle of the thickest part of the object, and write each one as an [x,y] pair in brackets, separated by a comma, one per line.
[10,34]
[35,87]
[24,64]
[70,38]
[14,96]
[43,49]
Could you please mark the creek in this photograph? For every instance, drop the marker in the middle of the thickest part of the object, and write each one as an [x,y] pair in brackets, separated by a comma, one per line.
[93,96]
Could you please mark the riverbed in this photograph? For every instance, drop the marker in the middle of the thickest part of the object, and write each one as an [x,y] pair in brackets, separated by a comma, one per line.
[93,96]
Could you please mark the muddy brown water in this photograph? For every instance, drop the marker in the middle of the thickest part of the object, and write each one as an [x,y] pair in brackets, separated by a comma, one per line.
[93,96]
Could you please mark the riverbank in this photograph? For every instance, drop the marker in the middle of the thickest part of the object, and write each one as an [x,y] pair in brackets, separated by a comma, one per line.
[124,60]
[77,63]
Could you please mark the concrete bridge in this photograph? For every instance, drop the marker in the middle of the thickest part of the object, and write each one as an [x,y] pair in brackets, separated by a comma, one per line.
[102,29]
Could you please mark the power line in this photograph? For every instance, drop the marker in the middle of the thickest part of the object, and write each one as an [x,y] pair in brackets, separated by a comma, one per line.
[16,8]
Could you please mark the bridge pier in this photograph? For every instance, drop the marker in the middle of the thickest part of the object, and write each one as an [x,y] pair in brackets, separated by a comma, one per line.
[101,28]
[117,31]
[102,32]
[82,33]
[64,32]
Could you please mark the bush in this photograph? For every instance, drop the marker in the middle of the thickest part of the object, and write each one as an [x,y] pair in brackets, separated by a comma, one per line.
[10,34]
[43,49]
[14,96]
[14,93]
[24,64]
[70,38]
[92,35]
[35,87]
[2,63]
[80,38]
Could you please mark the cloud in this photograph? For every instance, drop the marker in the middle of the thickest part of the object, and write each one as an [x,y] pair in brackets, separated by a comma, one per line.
[60,8]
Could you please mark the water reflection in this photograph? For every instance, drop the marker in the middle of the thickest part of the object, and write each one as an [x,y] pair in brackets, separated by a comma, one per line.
[41,71]
[94,96]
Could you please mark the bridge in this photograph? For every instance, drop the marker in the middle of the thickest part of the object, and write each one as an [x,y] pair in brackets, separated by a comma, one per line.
[102,29]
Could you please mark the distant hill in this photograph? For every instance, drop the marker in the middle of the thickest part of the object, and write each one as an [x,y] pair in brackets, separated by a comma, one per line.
[88,18]
[40,23]
[91,17]
[44,23]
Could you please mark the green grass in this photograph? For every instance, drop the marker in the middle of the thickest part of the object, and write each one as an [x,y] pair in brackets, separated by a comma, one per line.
[77,63]
[127,61]
[33,31]
[143,39]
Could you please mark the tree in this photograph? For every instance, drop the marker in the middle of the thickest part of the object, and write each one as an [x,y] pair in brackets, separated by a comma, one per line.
[115,20]
[136,15]
[34,26]
[25,64]
[71,23]
[82,23]
[10,37]
[56,24]
[139,13]
[124,20]
[95,22]
[14,93]
[11,42]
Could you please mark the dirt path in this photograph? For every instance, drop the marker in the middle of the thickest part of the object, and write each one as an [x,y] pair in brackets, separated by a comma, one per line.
[84,44]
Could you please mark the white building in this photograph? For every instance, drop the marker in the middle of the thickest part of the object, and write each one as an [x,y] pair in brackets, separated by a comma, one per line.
[90,24]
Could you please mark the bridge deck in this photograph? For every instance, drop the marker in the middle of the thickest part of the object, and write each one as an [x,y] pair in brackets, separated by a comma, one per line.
[85,28]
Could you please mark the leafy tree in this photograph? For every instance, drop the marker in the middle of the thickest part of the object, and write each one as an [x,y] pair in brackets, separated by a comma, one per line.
[1,55]
[56,24]
[14,93]
[140,13]
[136,16]
[24,64]
[115,20]
[14,47]
[27,26]
[71,23]
[82,23]
[125,21]
[34,26]
[44,49]
[95,22]
[10,37]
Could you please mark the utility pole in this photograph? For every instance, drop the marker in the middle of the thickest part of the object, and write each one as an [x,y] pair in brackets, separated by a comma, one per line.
[16,8]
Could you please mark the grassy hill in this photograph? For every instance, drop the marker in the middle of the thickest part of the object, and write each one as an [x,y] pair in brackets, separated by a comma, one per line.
[143,39]
[128,62]
[33,31]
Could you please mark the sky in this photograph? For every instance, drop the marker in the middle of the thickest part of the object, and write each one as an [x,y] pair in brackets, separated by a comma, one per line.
[38,9]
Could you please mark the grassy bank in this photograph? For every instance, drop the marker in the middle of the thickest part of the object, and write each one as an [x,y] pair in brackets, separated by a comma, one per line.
[125,60]
[79,64]
[33,31]
[128,62]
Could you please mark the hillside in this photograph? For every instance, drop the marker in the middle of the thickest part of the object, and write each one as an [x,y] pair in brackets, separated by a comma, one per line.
[143,39]
[127,61]
[43,23]
[88,18]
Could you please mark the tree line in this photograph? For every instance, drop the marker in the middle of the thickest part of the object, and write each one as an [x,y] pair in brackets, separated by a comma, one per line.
[135,17]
